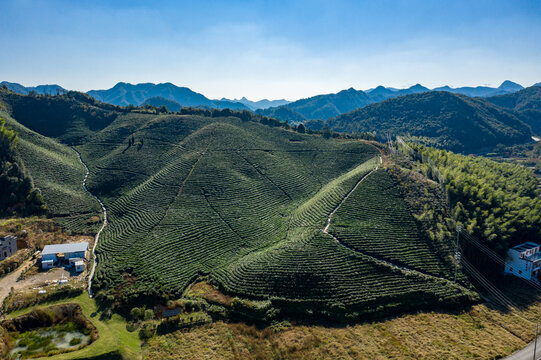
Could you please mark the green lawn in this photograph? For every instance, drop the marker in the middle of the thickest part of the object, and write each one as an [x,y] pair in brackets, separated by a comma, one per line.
[114,338]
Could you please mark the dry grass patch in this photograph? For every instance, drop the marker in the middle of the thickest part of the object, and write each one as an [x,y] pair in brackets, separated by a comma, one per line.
[479,333]
[208,292]
[37,232]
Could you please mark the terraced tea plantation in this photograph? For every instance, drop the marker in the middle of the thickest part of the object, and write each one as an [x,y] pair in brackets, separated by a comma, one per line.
[58,173]
[245,204]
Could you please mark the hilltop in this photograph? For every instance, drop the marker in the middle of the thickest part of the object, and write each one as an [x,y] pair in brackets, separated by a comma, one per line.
[442,119]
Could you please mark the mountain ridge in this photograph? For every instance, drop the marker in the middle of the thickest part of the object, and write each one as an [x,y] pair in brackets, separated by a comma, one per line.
[331,105]
[452,121]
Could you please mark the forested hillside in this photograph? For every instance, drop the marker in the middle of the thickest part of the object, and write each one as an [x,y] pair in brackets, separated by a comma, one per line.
[526,102]
[17,192]
[527,99]
[159,101]
[441,119]
[496,202]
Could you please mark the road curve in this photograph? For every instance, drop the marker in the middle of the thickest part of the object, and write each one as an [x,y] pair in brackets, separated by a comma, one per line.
[96,239]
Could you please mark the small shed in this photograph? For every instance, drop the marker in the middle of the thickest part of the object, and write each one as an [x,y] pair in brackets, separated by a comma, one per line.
[47,264]
[79,266]
[76,250]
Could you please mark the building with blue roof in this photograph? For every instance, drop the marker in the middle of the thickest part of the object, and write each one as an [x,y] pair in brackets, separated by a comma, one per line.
[71,252]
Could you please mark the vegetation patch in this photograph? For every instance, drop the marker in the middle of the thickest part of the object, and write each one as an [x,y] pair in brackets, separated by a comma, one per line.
[14,261]
[497,202]
[49,331]
[23,299]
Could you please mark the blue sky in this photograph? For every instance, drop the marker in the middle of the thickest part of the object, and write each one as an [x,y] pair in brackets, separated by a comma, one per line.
[270,49]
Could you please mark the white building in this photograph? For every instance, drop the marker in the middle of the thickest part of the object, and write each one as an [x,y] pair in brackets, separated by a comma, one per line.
[79,266]
[67,252]
[8,246]
[524,261]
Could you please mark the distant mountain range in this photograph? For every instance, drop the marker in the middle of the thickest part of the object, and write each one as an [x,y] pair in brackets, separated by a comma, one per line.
[261,104]
[332,105]
[317,107]
[172,96]
[125,94]
[484,91]
[437,118]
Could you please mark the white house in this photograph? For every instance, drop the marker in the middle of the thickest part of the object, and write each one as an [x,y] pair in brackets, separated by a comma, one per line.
[8,246]
[524,261]
[51,253]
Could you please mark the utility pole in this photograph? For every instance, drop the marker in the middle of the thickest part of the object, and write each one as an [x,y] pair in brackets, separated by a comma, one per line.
[535,343]
[457,253]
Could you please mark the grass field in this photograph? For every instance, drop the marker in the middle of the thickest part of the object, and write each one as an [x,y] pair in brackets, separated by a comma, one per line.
[479,332]
[114,338]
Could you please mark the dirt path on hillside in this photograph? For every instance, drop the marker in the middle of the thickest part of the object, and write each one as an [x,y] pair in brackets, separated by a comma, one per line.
[96,239]
[376,259]
[326,229]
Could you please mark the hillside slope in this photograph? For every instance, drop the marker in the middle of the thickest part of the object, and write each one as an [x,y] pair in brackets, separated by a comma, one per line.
[158,101]
[245,205]
[58,174]
[442,119]
[526,102]
[527,99]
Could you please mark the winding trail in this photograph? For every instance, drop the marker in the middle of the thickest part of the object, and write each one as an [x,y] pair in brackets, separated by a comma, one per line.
[326,229]
[96,239]
[376,259]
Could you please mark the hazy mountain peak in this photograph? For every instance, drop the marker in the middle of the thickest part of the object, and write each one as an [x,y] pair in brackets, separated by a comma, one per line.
[508,85]
[418,87]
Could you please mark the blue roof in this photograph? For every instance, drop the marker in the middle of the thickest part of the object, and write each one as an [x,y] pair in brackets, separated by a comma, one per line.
[168,313]
[64,248]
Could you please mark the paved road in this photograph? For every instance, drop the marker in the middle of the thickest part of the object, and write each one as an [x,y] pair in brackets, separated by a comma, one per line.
[527,352]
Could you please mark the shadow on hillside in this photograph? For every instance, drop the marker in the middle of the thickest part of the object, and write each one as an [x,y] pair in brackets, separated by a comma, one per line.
[511,292]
